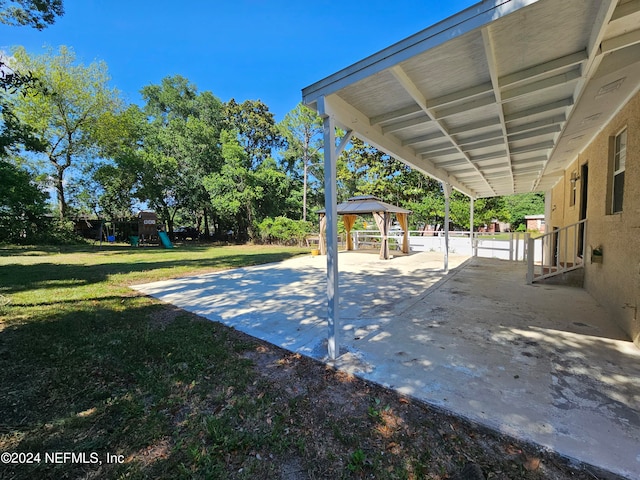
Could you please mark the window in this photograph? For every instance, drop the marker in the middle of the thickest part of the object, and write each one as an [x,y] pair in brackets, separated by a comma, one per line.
[572,195]
[619,157]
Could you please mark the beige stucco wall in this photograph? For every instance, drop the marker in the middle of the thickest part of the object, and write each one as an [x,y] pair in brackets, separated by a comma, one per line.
[615,282]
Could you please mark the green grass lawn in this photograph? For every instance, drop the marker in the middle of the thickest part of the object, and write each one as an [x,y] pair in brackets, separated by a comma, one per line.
[87,365]
[138,389]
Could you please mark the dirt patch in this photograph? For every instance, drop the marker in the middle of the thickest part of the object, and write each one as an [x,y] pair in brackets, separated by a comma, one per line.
[165,316]
[344,424]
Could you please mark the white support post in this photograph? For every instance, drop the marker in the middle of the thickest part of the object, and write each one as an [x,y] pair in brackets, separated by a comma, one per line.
[330,205]
[331,208]
[530,243]
[471,212]
[511,246]
[447,196]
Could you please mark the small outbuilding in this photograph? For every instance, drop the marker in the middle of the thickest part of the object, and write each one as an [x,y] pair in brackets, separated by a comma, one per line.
[535,223]
[382,213]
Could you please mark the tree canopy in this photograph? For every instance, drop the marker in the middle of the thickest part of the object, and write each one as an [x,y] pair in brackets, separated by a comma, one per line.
[34,13]
[66,115]
[197,161]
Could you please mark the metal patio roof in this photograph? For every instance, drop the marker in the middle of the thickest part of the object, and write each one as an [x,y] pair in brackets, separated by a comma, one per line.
[497,99]
[366,204]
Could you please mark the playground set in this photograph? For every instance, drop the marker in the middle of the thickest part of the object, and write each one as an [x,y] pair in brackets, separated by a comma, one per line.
[142,231]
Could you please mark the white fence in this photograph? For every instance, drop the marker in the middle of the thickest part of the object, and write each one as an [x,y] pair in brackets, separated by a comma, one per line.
[506,246]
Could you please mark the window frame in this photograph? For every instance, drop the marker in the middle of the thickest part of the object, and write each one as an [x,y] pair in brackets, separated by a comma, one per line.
[618,167]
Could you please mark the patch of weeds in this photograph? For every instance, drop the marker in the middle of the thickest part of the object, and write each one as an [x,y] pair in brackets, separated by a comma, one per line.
[345,434]
[357,461]
[376,410]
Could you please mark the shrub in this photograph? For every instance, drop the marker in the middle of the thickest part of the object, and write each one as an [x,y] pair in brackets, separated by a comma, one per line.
[284,231]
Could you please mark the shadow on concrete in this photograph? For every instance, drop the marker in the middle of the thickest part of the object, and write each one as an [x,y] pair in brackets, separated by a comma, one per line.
[542,363]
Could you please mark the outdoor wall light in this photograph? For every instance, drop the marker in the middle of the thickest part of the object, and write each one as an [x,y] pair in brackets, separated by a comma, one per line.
[574,178]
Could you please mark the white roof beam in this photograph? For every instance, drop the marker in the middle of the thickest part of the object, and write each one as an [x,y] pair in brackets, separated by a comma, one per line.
[527,170]
[440,153]
[462,95]
[536,87]
[535,146]
[489,52]
[464,107]
[351,118]
[625,10]
[495,168]
[396,127]
[422,138]
[543,69]
[534,133]
[555,120]
[487,143]
[396,114]
[470,127]
[453,163]
[530,161]
[564,103]
[411,88]
[479,138]
[621,41]
[488,156]
[442,147]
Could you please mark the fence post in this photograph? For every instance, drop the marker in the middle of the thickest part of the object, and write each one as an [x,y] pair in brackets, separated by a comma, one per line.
[511,246]
[530,255]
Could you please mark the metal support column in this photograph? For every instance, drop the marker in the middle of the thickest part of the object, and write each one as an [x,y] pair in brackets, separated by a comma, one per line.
[330,205]
[471,212]
[331,154]
[447,196]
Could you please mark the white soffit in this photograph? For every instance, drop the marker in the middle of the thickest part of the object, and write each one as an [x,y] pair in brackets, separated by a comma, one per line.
[498,99]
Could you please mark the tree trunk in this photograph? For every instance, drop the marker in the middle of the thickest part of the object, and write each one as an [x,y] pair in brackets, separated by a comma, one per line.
[250,231]
[304,191]
[59,186]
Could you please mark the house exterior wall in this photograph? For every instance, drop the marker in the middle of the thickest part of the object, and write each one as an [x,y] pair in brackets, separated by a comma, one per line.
[615,281]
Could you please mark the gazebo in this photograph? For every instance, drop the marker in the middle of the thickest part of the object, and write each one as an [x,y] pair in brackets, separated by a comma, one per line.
[381,212]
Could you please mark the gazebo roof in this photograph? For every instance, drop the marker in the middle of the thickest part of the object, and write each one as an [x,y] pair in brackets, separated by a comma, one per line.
[366,204]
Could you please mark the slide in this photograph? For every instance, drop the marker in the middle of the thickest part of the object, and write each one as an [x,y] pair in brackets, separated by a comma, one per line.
[164,238]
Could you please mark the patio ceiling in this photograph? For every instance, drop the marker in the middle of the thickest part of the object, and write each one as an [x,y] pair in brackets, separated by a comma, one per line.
[498,99]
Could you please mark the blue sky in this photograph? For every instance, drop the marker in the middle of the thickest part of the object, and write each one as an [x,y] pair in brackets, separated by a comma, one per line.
[242,49]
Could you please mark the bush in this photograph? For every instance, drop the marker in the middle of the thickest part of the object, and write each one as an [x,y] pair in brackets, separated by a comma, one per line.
[40,230]
[284,231]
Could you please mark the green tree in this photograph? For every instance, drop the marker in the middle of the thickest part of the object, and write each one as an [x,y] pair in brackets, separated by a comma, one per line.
[22,205]
[256,128]
[243,196]
[302,130]
[277,189]
[13,133]
[22,202]
[232,189]
[110,188]
[35,13]
[517,206]
[180,147]
[66,115]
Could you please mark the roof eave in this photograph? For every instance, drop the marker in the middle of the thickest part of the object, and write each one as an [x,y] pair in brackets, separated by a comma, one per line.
[457,25]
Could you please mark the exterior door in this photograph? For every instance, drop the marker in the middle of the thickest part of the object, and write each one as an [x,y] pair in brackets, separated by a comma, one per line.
[584,182]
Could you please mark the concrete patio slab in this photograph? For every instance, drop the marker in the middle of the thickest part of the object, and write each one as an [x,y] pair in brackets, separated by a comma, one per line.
[542,363]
